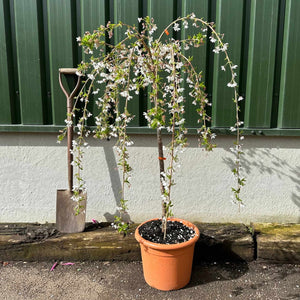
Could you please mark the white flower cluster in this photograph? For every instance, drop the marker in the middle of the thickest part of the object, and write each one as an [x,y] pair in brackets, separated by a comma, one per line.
[69,123]
[160,66]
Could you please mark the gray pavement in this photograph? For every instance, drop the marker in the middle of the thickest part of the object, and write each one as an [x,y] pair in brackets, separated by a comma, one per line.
[124,280]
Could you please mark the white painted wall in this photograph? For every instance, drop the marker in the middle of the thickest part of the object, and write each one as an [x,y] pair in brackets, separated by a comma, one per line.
[34,166]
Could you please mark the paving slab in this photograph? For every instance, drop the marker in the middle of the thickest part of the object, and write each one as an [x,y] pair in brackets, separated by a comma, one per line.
[124,280]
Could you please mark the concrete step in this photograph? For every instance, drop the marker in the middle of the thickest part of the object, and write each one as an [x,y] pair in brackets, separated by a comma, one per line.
[226,242]
[279,243]
[42,242]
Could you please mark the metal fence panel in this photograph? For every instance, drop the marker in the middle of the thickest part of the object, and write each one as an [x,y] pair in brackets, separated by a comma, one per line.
[62,38]
[128,11]
[5,75]
[93,14]
[200,55]
[289,102]
[261,63]
[30,61]
[229,20]
[37,37]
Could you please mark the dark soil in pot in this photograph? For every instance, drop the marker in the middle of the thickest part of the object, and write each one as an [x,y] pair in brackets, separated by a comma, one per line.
[176,232]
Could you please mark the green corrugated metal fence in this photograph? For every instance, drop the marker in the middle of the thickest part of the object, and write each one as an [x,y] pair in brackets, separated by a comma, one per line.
[37,37]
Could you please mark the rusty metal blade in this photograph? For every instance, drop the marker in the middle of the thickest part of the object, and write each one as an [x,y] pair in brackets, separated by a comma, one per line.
[66,220]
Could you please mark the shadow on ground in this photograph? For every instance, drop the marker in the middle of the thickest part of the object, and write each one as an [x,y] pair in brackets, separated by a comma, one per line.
[217,271]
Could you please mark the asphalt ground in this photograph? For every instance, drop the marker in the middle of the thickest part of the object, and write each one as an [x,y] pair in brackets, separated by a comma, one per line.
[124,280]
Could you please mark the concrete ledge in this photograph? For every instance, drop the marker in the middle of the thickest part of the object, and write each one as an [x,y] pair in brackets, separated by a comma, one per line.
[279,243]
[98,242]
[37,242]
[224,242]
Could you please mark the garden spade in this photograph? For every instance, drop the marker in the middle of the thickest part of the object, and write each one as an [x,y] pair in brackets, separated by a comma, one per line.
[66,219]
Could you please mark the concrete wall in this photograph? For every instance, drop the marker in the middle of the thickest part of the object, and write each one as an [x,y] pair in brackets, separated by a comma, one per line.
[33,167]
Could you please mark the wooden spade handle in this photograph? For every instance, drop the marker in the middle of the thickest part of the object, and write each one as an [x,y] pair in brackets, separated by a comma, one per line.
[69,71]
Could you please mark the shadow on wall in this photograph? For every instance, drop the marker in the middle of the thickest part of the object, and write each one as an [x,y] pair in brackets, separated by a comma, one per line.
[253,159]
[116,185]
[140,141]
[258,148]
[147,141]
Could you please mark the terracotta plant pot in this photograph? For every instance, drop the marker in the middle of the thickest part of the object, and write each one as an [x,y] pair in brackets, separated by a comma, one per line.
[167,267]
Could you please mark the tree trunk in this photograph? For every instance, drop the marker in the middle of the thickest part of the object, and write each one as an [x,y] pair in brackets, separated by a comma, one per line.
[162,171]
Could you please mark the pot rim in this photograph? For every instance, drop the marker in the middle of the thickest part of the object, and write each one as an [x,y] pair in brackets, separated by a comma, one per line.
[158,246]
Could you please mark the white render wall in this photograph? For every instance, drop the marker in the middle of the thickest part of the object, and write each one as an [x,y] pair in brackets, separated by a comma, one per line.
[34,166]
